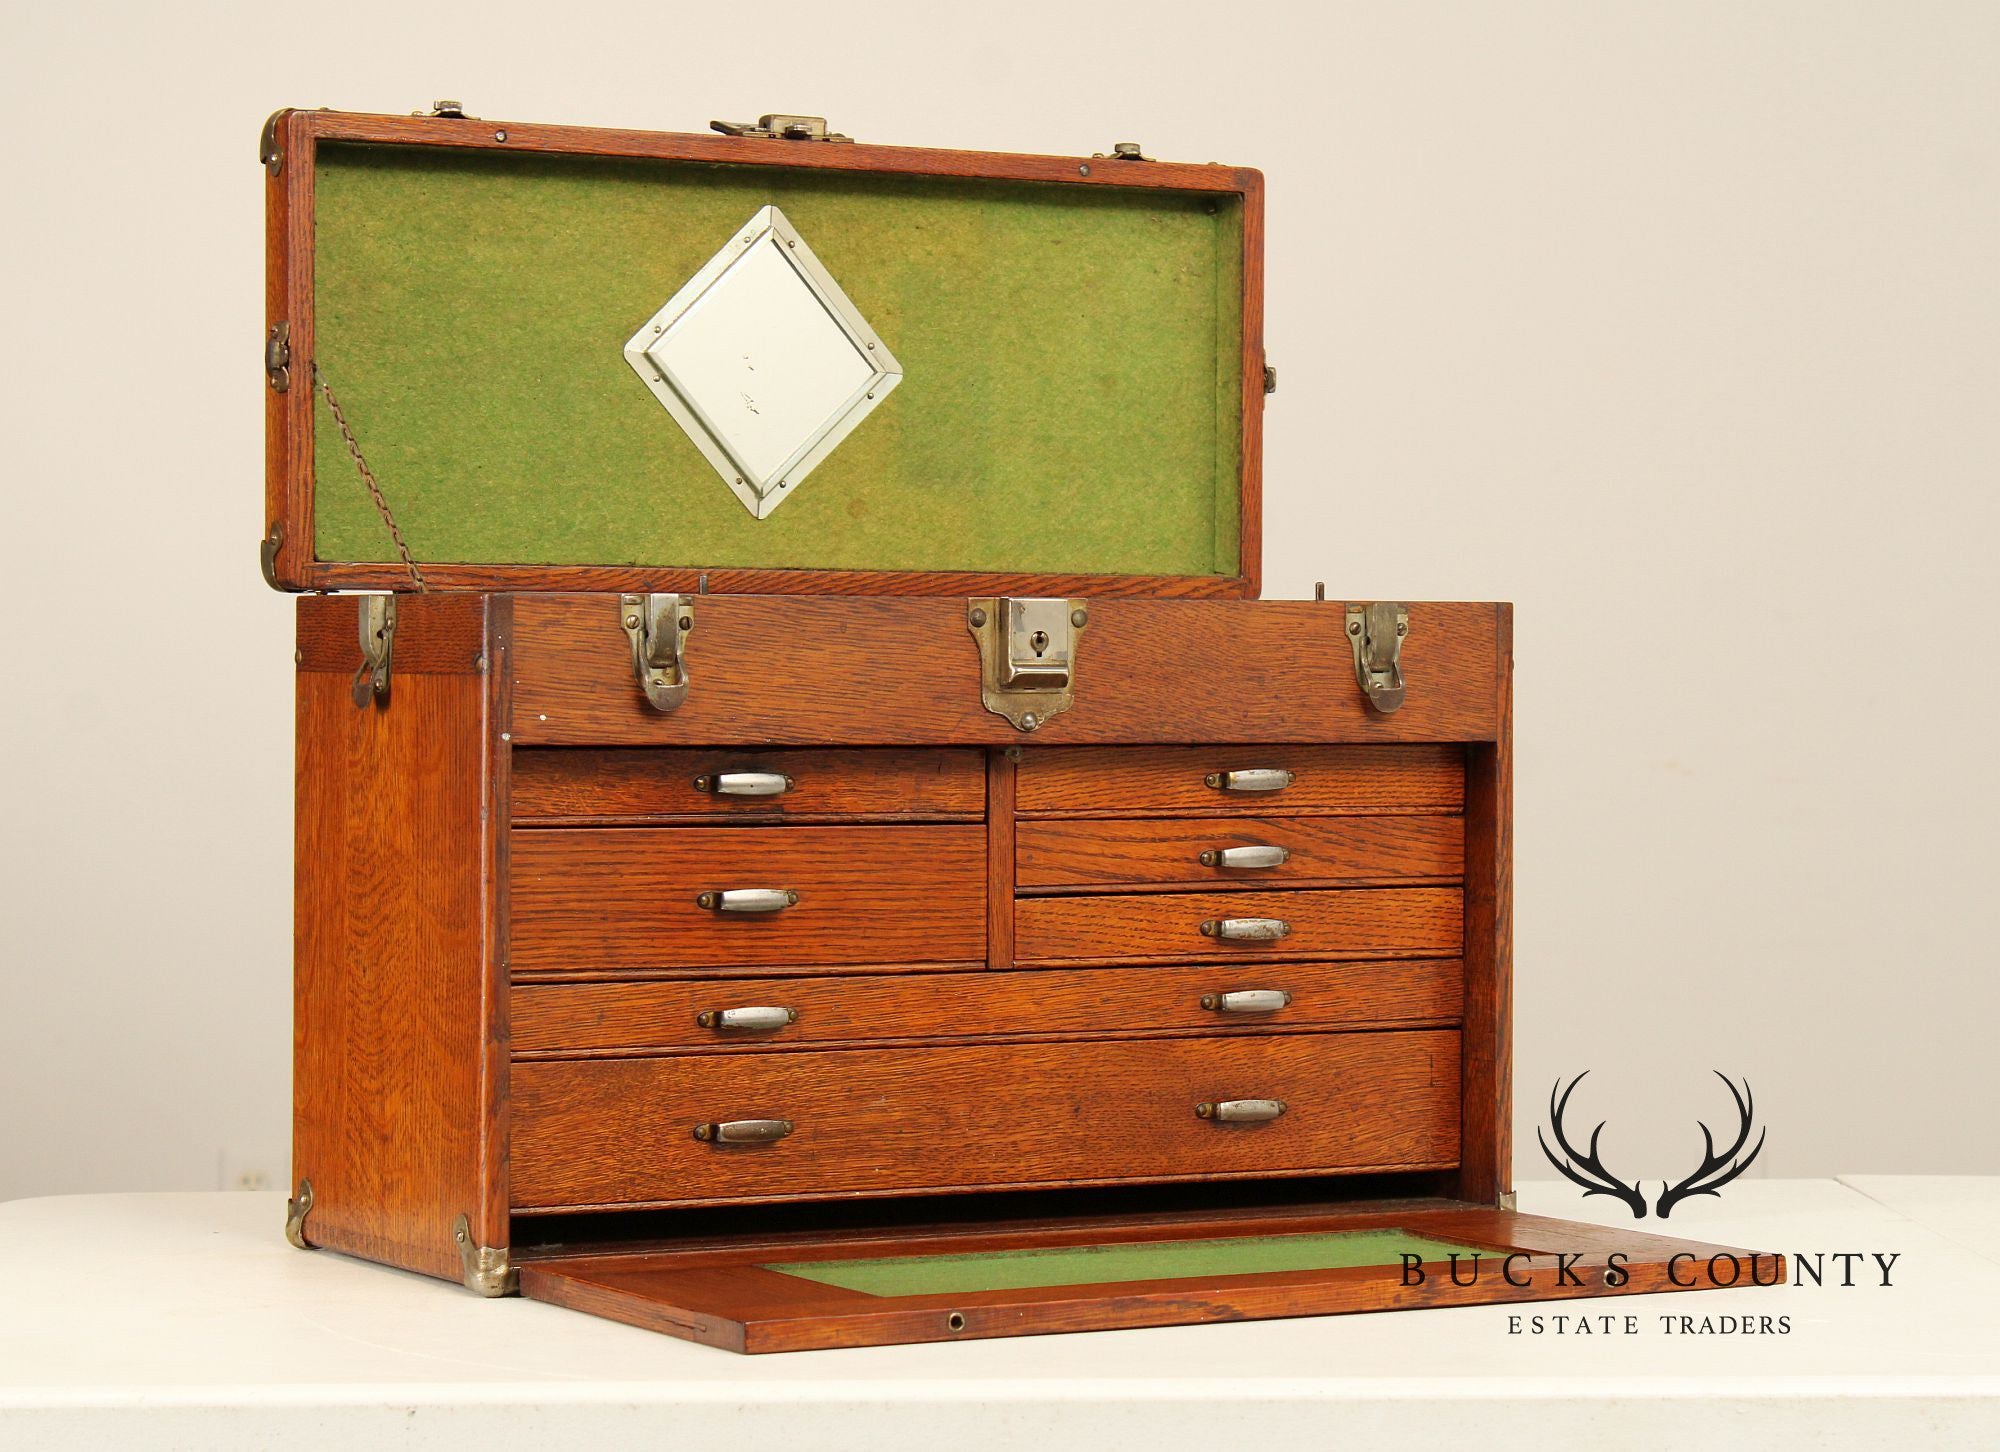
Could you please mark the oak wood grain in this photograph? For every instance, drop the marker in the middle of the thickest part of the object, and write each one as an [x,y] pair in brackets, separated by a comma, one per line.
[650,785]
[661,1017]
[618,1131]
[1166,927]
[1173,780]
[1000,845]
[1487,1169]
[1166,852]
[398,1049]
[626,897]
[1148,671]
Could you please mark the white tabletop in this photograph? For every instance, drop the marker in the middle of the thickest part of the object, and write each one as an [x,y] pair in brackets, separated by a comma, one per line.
[174,1320]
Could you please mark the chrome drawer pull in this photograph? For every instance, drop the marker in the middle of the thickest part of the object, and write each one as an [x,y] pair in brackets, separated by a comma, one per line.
[1241,1111]
[1247,930]
[748,900]
[743,1131]
[745,784]
[753,1019]
[1247,1000]
[1258,856]
[1254,779]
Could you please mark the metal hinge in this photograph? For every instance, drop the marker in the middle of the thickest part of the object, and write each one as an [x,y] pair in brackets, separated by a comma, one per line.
[449,110]
[296,1210]
[658,626]
[1376,634]
[378,647]
[781,128]
[1027,655]
[483,1268]
[1270,379]
[1122,151]
[269,152]
[278,356]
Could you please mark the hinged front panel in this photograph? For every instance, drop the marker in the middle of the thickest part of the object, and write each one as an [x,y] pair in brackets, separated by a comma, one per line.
[522,357]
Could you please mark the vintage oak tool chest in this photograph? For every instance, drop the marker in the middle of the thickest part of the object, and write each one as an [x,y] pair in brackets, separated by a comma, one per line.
[807,836]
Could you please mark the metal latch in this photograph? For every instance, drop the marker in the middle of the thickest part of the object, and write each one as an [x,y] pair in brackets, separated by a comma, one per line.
[378,646]
[657,626]
[1376,633]
[781,128]
[278,356]
[1027,655]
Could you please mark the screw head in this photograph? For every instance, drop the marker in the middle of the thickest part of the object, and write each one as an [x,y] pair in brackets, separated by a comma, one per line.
[631,622]
[499,136]
[1402,627]
[978,616]
[1354,627]
[1030,721]
[1078,617]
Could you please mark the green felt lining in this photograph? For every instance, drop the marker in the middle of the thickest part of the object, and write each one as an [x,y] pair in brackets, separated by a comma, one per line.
[1085,1265]
[1072,359]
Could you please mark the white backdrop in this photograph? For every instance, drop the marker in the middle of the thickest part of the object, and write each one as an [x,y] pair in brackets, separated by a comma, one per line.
[1675,323]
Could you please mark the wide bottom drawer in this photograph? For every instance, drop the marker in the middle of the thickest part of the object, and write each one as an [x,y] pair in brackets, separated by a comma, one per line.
[644,1131]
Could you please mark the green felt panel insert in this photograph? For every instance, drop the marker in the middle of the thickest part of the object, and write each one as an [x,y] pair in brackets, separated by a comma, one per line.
[1089,1265]
[1071,357]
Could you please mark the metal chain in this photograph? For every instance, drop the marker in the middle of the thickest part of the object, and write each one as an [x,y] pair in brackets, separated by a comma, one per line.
[368,478]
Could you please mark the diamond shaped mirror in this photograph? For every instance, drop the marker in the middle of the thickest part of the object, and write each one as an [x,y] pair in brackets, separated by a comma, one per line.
[764,361]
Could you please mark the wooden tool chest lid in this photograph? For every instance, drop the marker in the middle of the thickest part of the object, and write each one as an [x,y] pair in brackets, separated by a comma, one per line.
[532,358]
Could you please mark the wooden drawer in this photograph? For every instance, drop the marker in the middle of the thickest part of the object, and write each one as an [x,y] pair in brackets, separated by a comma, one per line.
[625,898]
[621,1131]
[1187,780]
[591,1018]
[1168,851]
[1167,926]
[643,785]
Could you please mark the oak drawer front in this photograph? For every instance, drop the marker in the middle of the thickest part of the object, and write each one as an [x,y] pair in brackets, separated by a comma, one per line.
[1375,922]
[1214,852]
[623,1131]
[748,1014]
[627,898]
[1084,781]
[579,786]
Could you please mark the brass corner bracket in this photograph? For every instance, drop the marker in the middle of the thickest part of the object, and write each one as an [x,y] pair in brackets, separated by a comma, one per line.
[1027,655]
[1509,1200]
[296,1210]
[483,1268]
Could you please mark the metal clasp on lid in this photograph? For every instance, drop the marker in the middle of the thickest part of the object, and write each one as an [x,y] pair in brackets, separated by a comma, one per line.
[1027,655]
[781,128]
[378,649]
[657,626]
[1376,634]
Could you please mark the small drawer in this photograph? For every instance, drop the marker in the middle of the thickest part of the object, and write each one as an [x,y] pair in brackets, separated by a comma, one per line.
[577,786]
[722,1127]
[729,1015]
[593,899]
[1092,853]
[1177,926]
[1119,781]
